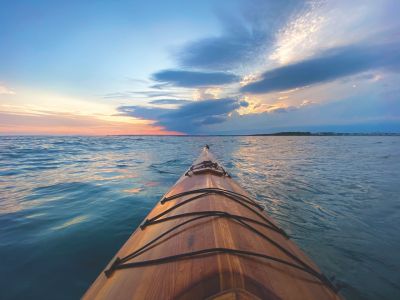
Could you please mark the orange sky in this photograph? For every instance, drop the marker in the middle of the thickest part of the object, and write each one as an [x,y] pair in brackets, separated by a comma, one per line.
[68,124]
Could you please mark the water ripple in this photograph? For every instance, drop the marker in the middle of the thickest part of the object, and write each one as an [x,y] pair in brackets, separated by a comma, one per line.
[67,204]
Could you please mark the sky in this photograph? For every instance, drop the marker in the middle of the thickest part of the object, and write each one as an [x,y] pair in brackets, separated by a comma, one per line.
[199,67]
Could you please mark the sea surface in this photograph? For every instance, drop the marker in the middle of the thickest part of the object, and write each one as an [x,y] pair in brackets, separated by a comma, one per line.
[67,204]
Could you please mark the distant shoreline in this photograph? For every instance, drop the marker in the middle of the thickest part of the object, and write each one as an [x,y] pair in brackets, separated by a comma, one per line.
[307,133]
[283,133]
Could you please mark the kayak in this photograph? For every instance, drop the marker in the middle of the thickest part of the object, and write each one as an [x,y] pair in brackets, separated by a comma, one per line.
[207,238]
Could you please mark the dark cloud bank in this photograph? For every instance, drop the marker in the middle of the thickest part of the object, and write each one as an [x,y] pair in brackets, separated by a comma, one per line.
[244,36]
[328,66]
[189,117]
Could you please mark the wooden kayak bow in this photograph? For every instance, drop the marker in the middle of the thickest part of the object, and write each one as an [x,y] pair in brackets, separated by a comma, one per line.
[208,239]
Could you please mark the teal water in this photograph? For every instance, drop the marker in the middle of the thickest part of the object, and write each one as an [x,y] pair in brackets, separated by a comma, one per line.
[67,204]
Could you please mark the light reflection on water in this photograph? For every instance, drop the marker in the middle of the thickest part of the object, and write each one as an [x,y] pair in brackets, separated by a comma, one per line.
[71,222]
[68,203]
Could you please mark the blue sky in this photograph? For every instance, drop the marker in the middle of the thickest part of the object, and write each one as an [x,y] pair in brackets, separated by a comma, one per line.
[199,67]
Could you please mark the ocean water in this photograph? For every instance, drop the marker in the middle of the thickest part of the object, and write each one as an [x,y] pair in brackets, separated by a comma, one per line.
[67,204]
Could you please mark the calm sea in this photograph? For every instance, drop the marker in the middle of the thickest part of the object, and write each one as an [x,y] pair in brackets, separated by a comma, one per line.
[67,204]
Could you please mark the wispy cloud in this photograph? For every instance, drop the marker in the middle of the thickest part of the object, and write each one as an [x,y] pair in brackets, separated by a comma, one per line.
[326,24]
[192,79]
[170,101]
[140,94]
[6,90]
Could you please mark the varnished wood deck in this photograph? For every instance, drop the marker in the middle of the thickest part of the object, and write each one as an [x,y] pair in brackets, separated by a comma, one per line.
[215,276]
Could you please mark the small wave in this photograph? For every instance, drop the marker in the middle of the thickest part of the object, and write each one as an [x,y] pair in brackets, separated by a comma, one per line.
[71,222]
[9,172]
[133,190]
[35,215]
[122,166]
[168,167]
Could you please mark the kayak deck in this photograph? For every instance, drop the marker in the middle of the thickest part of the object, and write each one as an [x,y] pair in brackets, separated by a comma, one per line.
[207,239]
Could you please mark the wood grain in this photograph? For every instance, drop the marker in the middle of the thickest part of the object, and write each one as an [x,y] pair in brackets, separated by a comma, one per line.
[216,276]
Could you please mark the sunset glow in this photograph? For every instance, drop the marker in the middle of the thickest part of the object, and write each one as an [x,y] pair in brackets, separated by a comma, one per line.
[266,66]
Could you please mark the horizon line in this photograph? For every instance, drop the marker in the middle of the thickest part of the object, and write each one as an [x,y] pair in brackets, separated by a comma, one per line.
[283,133]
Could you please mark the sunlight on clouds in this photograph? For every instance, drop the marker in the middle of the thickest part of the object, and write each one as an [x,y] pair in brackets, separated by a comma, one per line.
[196,95]
[283,107]
[276,107]
[259,108]
[69,124]
[256,106]
[307,102]
[298,36]
[31,102]
[324,25]
[207,93]
[214,92]
[247,79]
[377,77]
[290,91]
[248,109]
[274,103]
[6,91]
[46,113]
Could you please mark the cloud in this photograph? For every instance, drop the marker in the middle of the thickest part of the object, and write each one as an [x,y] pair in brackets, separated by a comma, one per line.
[169,101]
[371,112]
[192,79]
[329,65]
[244,37]
[132,94]
[6,91]
[213,120]
[325,24]
[189,117]
[262,108]
[244,103]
